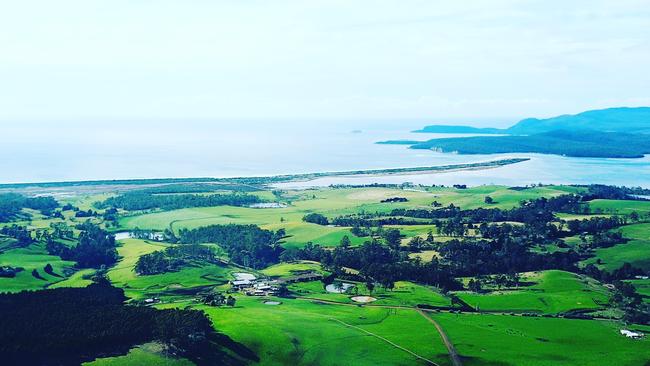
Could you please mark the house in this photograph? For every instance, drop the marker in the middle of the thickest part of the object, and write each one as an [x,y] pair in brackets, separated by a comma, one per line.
[151,301]
[241,284]
[305,277]
[631,334]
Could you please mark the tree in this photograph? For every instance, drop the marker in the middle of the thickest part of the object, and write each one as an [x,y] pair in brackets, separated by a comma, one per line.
[489,200]
[393,238]
[415,244]
[230,301]
[338,287]
[370,286]
[283,290]
[328,280]
[474,285]
[345,242]
[316,218]
[430,237]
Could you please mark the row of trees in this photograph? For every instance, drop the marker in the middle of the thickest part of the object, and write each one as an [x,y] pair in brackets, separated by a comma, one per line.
[139,200]
[173,258]
[22,235]
[95,247]
[12,203]
[377,262]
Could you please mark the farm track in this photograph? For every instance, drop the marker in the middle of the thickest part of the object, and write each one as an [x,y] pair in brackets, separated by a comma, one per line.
[387,341]
[453,354]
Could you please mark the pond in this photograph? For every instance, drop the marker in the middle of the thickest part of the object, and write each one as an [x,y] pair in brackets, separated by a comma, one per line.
[340,288]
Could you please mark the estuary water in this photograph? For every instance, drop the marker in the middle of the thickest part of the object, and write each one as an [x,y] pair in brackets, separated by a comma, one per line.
[65,151]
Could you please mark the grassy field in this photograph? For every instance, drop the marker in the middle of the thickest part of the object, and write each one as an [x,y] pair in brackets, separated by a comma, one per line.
[502,340]
[34,257]
[404,294]
[300,332]
[643,288]
[636,251]
[167,285]
[622,207]
[389,331]
[334,202]
[553,292]
[145,355]
[288,269]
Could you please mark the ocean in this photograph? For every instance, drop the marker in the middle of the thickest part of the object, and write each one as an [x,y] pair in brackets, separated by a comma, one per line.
[66,151]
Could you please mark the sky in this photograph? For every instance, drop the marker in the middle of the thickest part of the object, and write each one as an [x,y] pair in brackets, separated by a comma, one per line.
[443,61]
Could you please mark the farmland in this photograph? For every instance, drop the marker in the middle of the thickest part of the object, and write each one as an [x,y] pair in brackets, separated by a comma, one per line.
[565,313]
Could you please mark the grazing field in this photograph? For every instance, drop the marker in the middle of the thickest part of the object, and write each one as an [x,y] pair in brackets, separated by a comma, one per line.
[523,323]
[643,288]
[301,332]
[145,355]
[171,284]
[288,269]
[334,202]
[501,340]
[404,294]
[636,251]
[621,207]
[33,258]
[552,292]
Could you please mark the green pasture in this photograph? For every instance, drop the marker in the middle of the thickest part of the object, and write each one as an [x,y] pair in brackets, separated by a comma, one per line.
[622,207]
[552,292]
[404,294]
[300,332]
[502,340]
[286,269]
[642,288]
[636,251]
[31,258]
[145,355]
[165,284]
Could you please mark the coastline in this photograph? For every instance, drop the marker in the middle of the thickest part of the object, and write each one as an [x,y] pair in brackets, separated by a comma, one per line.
[268,180]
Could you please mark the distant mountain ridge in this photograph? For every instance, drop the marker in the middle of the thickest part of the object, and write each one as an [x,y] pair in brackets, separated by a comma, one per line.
[621,119]
[611,133]
[591,144]
[459,129]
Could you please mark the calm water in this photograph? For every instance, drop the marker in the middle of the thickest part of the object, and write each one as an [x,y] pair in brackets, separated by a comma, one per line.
[114,150]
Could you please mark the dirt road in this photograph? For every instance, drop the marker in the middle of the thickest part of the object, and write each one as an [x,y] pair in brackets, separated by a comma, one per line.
[453,354]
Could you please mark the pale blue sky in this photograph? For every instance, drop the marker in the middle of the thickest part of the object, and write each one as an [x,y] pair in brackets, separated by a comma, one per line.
[426,60]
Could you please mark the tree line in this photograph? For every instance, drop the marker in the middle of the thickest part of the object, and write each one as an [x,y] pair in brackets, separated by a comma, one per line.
[12,203]
[173,259]
[138,200]
[95,247]
[247,245]
[74,325]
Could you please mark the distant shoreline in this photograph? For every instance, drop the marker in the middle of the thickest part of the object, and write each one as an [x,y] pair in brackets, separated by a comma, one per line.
[276,178]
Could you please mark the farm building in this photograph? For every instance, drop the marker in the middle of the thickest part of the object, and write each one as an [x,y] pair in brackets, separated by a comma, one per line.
[306,277]
[240,284]
[631,334]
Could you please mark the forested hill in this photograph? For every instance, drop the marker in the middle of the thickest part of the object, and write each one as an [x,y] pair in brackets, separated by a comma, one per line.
[607,120]
[622,119]
[570,143]
[459,129]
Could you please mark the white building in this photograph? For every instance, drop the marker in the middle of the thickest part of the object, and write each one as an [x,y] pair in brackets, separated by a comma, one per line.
[631,334]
